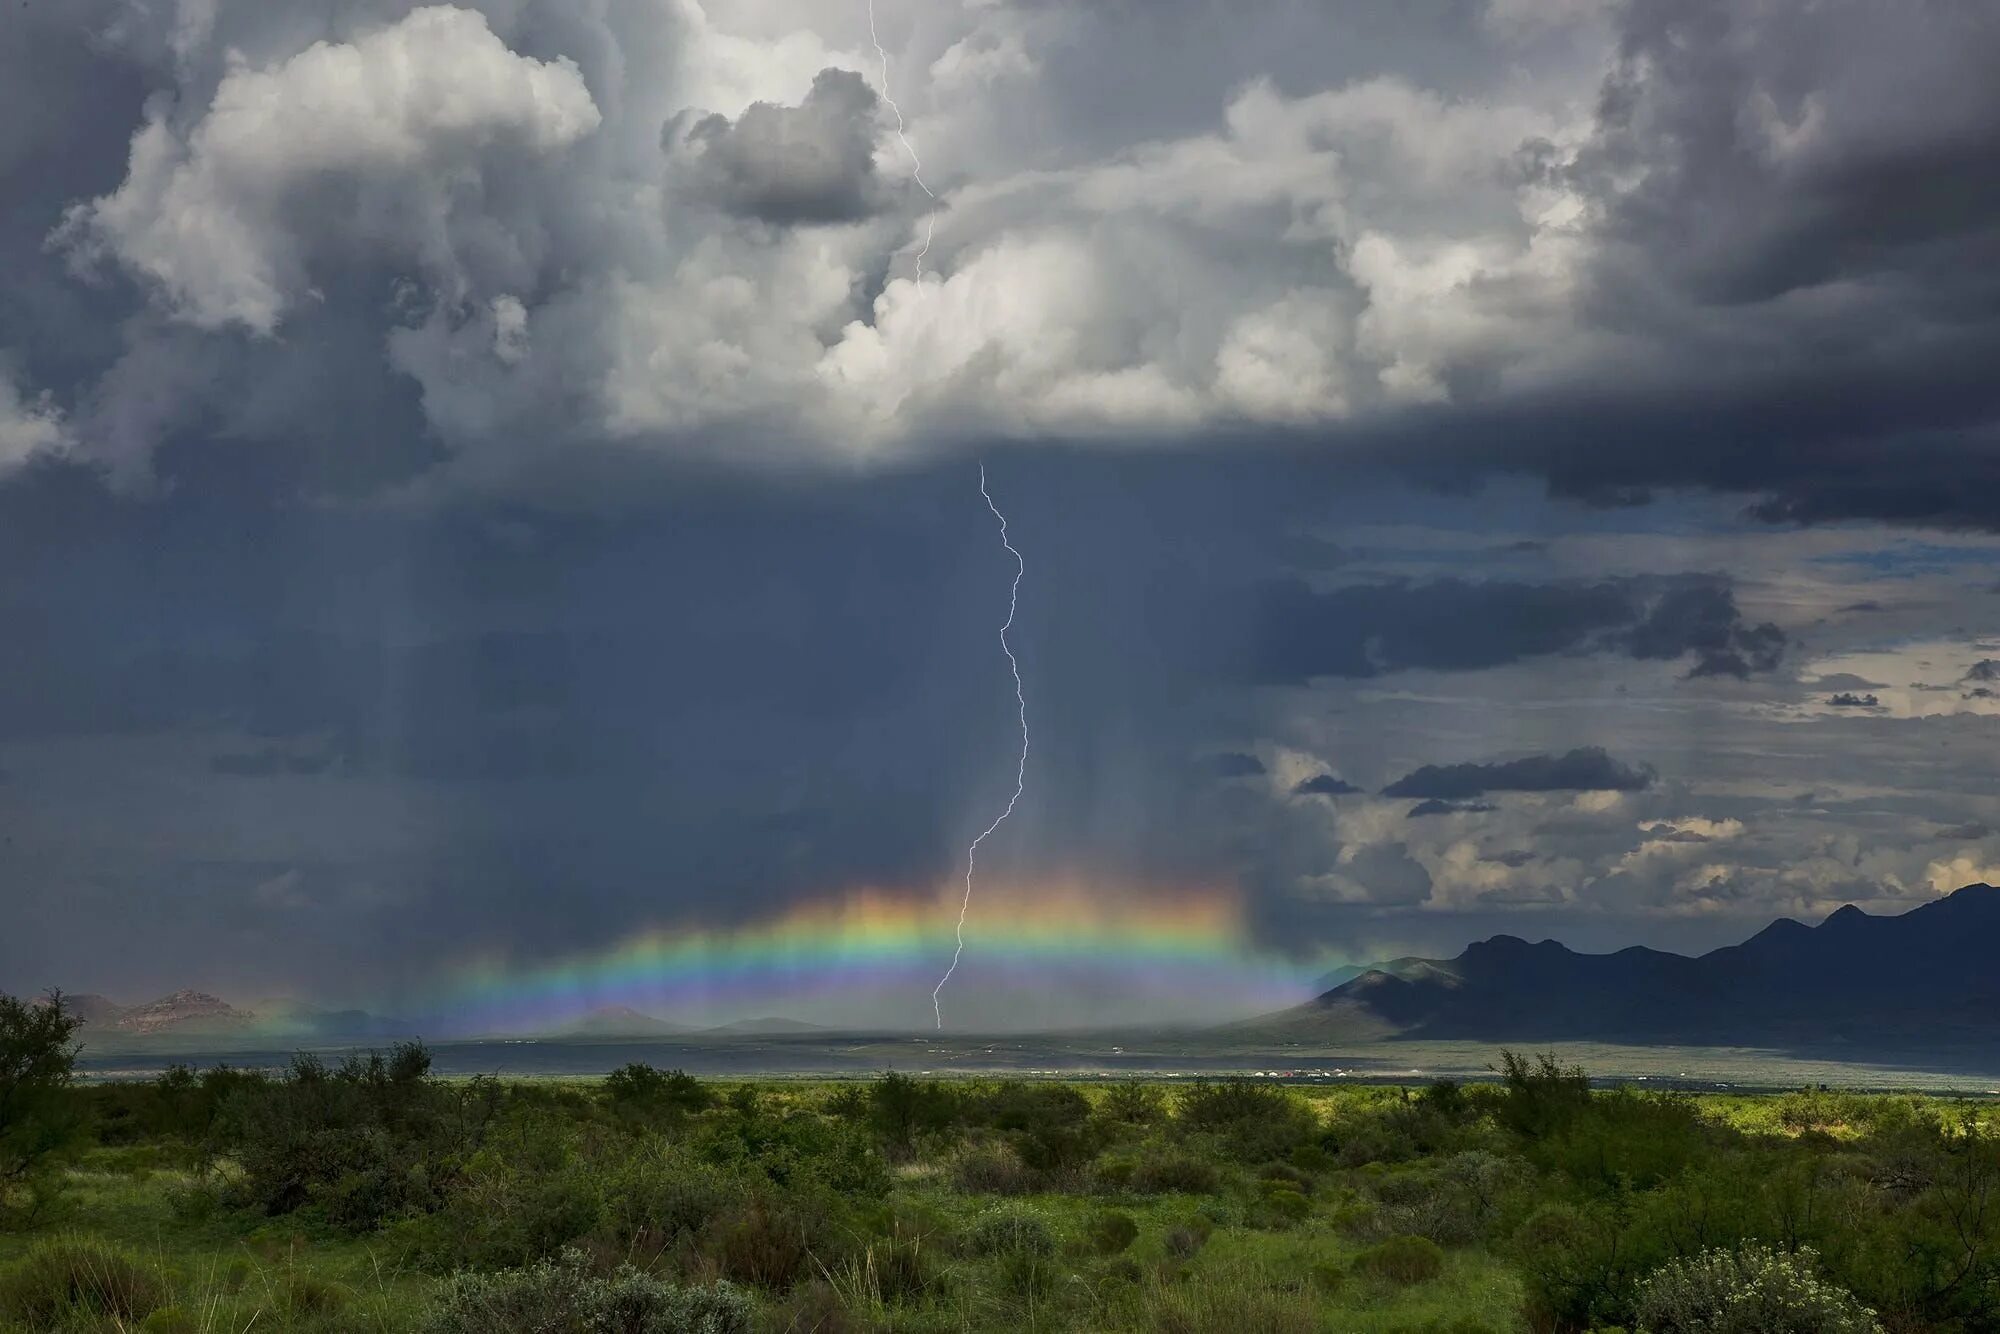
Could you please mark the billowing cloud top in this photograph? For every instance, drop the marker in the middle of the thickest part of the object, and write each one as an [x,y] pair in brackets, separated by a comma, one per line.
[1621,245]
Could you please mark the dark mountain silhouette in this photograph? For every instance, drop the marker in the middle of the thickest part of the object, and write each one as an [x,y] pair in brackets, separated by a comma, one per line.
[1926,976]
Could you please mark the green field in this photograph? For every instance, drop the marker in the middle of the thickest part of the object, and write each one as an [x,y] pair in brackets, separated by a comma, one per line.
[374,1196]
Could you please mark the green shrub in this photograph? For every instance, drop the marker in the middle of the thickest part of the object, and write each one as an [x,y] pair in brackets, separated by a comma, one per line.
[1255,1120]
[901,1109]
[1282,1203]
[768,1242]
[67,1278]
[1010,1232]
[170,1320]
[1133,1102]
[1176,1173]
[1752,1290]
[562,1297]
[1112,1232]
[299,1295]
[371,1140]
[993,1169]
[1403,1260]
[640,1090]
[1541,1097]
[522,1198]
[665,1195]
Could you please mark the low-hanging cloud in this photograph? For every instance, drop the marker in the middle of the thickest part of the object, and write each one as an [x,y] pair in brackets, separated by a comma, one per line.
[1367,630]
[1585,769]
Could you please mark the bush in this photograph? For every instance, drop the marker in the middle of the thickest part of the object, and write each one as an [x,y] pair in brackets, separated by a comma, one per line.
[664,1195]
[638,1089]
[1133,1102]
[1010,1232]
[562,1297]
[1184,1241]
[371,1140]
[900,1109]
[1112,1232]
[994,1169]
[1403,1260]
[1754,1290]
[1543,1097]
[521,1198]
[769,1242]
[1173,1173]
[1256,1120]
[60,1280]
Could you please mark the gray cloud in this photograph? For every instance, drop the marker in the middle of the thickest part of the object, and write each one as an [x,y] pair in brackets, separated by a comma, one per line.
[813,163]
[1366,630]
[1376,244]
[1848,700]
[1325,785]
[1435,806]
[1586,769]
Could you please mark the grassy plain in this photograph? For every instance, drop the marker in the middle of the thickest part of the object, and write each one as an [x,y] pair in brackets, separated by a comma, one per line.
[376,1198]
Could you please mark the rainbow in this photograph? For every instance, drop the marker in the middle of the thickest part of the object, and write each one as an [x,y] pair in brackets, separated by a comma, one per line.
[1122,951]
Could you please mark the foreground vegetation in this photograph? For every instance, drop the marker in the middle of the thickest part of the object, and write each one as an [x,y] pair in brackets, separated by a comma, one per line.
[372,1196]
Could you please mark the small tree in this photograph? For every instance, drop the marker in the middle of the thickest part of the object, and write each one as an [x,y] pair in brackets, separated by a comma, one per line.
[38,1120]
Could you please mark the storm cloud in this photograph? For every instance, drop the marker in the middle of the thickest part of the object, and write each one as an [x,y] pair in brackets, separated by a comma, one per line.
[461,215]
[1366,630]
[486,477]
[813,163]
[1585,769]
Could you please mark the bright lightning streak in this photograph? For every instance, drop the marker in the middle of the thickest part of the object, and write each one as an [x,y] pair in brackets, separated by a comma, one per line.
[902,136]
[1020,771]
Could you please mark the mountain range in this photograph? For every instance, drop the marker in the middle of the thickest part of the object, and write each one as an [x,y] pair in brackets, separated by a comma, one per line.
[189,1014]
[1925,976]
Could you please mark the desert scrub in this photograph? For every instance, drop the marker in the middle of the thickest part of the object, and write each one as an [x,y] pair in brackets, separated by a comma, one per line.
[1751,1290]
[1403,1260]
[70,1279]
[1010,1232]
[562,1297]
[1112,1232]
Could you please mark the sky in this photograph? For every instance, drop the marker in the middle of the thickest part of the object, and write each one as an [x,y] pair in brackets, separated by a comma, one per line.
[490,520]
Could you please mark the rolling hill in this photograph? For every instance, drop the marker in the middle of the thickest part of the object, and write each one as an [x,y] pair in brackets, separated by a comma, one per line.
[1927,976]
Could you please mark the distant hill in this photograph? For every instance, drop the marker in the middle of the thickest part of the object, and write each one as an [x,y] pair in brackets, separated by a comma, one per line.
[199,1014]
[182,1012]
[1405,968]
[1926,975]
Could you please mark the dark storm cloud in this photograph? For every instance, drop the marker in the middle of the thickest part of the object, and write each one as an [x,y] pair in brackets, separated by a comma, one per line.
[1966,832]
[1776,270]
[1325,785]
[813,163]
[1366,630]
[1848,700]
[1586,769]
[1434,806]
[1986,669]
[1235,766]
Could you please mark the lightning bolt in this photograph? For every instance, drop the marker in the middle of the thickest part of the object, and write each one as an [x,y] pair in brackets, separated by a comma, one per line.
[903,137]
[1020,770]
